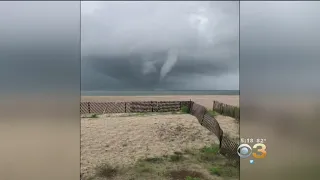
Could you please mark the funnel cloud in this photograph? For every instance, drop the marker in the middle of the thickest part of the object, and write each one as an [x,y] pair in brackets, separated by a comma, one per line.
[160,45]
[168,64]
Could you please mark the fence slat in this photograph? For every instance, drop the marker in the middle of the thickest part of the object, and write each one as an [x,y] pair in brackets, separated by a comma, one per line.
[228,147]
[226,110]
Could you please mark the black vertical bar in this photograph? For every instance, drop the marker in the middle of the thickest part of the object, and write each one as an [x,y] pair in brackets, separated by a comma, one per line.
[89,108]
[180,106]
[125,107]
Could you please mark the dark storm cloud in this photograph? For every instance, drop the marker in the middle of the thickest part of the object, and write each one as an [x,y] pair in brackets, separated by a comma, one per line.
[146,45]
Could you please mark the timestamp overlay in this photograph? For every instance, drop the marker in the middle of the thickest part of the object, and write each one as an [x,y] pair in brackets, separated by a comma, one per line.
[252,149]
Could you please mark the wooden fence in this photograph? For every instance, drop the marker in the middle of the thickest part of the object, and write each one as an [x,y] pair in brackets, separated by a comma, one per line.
[228,147]
[227,110]
[132,107]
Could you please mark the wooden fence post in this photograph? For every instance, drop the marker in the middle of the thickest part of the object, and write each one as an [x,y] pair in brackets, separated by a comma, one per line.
[125,107]
[221,138]
[213,106]
[89,108]
[151,106]
[202,119]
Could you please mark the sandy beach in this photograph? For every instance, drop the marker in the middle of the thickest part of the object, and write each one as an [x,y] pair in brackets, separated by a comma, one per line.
[227,124]
[123,140]
[205,100]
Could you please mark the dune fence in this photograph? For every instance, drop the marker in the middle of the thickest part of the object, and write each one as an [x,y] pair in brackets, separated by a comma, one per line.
[226,110]
[228,146]
[132,107]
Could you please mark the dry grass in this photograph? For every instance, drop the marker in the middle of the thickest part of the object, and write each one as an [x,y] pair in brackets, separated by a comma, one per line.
[192,164]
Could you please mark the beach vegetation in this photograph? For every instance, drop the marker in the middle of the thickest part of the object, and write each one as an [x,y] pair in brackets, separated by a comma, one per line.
[106,171]
[185,174]
[190,164]
[177,156]
[184,109]
[215,171]
[94,116]
[213,113]
[192,178]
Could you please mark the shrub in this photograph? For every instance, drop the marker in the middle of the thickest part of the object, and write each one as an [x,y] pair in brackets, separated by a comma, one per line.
[213,113]
[176,157]
[210,149]
[184,109]
[209,153]
[215,171]
[192,178]
[107,171]
[94,116]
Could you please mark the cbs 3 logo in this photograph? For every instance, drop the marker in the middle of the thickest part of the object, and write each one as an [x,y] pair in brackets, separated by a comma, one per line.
[244,151]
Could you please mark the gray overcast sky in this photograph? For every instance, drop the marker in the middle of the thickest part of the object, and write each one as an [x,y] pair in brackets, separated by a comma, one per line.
[160,45]
[37,40]
[279,46]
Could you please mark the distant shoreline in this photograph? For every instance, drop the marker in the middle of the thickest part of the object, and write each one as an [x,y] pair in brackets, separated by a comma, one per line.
[160,93]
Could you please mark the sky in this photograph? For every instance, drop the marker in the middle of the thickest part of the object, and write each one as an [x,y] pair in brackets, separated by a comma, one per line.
[279,47]
[36,42]
[160,45]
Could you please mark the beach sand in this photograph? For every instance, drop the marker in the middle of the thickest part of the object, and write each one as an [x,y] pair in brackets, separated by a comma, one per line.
[123,140]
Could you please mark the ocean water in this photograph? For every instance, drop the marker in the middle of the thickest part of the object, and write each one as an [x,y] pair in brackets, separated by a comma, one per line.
[153,93]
